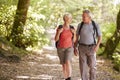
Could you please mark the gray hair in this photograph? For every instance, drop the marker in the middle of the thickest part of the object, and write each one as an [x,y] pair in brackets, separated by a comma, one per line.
[88,12]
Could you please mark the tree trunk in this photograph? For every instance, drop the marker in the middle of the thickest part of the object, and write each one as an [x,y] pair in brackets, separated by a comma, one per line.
[112,42]
[19,22]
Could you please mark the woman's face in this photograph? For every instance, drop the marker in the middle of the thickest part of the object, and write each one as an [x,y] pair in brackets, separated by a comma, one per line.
[67,19]
[86,18]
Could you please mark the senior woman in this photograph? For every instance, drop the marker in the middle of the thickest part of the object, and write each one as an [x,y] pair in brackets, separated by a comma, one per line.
[66,35]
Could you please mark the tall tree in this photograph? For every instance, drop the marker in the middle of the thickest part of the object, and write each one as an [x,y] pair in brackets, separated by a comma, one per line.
[112,42]
[19,22]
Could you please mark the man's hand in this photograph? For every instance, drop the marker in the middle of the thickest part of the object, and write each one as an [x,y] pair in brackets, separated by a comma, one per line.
[96,48]
[98,43]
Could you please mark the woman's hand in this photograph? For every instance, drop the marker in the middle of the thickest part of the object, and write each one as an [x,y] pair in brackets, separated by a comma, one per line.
[60,30]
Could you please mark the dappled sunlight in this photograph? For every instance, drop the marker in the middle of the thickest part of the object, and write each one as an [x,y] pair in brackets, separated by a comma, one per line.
[116,2]
[51,57]
[100,61]
[49,48]
[75,59]
[39,58]
[38,51]
[43,77]
[52,31]
[23,77]
[4,64]
[38,16]
[51,65]
[32,63]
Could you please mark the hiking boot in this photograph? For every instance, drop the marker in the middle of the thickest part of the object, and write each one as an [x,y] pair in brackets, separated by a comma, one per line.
[69,78]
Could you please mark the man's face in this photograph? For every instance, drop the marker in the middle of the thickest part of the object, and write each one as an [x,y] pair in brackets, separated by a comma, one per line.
[86,18]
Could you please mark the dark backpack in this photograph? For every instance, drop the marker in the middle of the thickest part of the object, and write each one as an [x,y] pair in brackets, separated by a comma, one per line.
[94,28]
[59,27]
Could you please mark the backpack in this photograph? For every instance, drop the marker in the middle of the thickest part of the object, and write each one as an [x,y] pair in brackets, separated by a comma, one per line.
[94,28]
[59,27]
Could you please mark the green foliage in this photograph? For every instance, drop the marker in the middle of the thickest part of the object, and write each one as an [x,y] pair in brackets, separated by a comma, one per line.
[45,14]
[8,2]
[107,30]
[116,58]
[48,13]
[6,20]
[33,30]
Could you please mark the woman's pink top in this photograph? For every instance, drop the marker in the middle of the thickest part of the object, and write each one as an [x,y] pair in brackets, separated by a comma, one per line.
[65,39]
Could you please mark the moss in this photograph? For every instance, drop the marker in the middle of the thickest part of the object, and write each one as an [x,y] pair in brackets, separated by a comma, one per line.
[116,61]
[10,52]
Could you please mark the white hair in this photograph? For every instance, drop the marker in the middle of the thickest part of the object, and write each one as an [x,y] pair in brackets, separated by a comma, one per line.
[68,15]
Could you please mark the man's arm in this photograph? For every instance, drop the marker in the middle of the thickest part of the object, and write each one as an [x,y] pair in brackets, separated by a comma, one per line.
[98,43]
[99,38]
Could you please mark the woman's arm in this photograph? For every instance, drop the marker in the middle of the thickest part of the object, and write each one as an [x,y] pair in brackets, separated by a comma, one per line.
[58,32]
[74,35]
[76,42]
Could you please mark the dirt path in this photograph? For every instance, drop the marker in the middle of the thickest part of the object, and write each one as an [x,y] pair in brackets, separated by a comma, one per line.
[45,66]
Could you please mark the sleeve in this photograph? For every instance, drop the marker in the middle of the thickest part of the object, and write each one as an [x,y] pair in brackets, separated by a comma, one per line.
[98,30]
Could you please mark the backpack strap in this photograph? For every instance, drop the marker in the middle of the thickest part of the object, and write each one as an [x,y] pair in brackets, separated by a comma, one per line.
[81,25]
[60,26]
[57,42]
[71,27]
[95,30]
